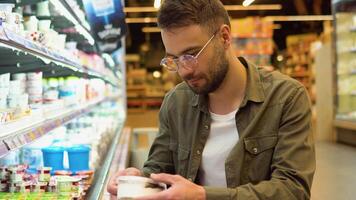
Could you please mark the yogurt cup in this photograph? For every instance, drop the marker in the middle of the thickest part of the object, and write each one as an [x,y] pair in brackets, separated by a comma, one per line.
[136,186]
[6,7]
[3,103]
[13,100]
[19,76]
[15,87]
[34,76]
[5,80]
[44,25]
[4,91]
[33,91]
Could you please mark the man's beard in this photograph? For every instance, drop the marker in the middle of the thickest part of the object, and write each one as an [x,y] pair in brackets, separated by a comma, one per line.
[216,74]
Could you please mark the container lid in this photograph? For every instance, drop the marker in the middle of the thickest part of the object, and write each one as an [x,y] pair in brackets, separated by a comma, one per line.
[53,149]
[78,148]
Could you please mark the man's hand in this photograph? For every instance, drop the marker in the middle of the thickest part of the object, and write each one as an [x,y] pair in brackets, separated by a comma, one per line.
[112,186]
[180,189]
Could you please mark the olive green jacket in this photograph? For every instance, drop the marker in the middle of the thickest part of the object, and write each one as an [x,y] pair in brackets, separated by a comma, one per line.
[274,157]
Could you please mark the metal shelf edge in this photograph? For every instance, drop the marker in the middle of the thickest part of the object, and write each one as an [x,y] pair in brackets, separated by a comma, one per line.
[23,137]
[98,187]
[45,53]
[346,124]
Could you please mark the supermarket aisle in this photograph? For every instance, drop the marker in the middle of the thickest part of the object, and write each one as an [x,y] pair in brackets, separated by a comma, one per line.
[335,177]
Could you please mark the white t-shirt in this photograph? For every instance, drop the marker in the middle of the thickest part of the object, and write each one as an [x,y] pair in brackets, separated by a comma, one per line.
[222,138]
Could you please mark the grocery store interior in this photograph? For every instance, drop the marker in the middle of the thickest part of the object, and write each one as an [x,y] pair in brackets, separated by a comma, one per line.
[81,87]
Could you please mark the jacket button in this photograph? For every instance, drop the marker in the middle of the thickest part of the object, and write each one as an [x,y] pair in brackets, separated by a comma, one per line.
[190,179]
[255,150]
[206,127]
[198,152]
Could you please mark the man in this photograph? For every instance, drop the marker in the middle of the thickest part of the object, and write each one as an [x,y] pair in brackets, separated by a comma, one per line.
[231,130]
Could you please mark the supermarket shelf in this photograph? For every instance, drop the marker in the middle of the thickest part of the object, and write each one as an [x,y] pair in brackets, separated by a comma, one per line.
[65,10]
[346,124]
[119,144]
[254,53]
[16,42]
[236,36]
[27,2]
[16,134]
[300,75]
[84,23]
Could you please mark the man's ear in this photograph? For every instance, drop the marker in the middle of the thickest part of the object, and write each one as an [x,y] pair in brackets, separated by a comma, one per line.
[226,37]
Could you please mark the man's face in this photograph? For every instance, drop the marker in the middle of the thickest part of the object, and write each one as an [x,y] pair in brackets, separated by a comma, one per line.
[212,66]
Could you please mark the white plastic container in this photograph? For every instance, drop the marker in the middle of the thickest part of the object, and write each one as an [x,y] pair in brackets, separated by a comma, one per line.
[6,7]
[44,25]
[34,76]
[15,87]
[4,91]
[3,102]
[43,8]
[35,91]
[13,100]
[136,186]
[5,80]
[23,101]
[19,76]
[31,25]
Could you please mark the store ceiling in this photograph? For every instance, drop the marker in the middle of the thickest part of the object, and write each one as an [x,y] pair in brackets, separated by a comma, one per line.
[137,40]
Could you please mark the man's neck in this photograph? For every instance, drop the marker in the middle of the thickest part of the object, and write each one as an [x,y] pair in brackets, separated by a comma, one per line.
[230,94]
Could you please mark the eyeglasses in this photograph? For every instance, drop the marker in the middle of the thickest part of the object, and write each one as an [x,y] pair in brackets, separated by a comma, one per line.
[186,61]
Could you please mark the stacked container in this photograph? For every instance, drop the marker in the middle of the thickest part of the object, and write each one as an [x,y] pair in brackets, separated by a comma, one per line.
[4,90]
[34,87]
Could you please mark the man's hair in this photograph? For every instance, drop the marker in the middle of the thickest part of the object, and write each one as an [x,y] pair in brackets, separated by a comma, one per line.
[210,14]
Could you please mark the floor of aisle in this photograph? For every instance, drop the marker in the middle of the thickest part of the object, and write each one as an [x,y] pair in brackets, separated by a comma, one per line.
[335,177]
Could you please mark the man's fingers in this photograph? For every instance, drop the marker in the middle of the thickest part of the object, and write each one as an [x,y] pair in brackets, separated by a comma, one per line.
[165,178]
[130,172]
[112,186]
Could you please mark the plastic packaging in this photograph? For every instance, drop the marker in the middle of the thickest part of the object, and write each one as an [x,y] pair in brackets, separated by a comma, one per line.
[53,157]
[6,7]
[134,186]
[78,158]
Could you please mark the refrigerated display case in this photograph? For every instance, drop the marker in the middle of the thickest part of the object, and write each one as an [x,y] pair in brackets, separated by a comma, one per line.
[344,12]
[53,94]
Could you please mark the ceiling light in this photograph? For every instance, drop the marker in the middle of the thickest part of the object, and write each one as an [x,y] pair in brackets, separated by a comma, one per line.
[247,2]
[141,20]
[157,74]
[227,7]
[157,4]
[300,18]
[151,30]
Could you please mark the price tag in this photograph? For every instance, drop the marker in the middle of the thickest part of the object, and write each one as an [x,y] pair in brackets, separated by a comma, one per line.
[22,139]
[32,136]
[10,144]
[16,142]
[3,149]
[14,37]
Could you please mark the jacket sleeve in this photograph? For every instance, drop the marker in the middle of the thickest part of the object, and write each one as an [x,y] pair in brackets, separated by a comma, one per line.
[160,157]
[293,162]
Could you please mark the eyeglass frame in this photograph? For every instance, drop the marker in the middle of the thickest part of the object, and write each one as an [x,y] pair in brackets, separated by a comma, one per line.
[176,60]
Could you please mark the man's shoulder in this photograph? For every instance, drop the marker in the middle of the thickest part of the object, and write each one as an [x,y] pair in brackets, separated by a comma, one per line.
[278,86]
[276,78]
